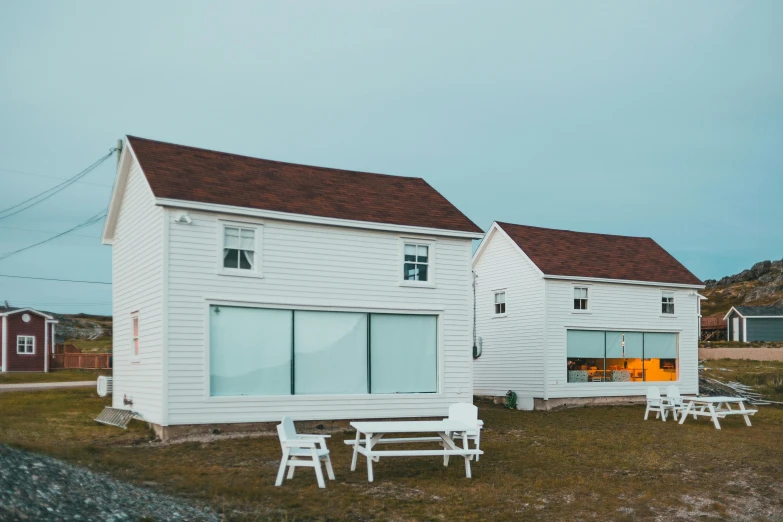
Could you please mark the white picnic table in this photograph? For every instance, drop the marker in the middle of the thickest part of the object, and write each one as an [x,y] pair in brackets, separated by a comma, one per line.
[715,408]
[375,431]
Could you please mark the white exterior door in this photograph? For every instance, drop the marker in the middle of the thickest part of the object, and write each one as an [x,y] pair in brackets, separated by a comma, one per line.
[735,329]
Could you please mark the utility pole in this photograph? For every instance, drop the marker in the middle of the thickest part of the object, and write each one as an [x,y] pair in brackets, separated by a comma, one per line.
[119,152]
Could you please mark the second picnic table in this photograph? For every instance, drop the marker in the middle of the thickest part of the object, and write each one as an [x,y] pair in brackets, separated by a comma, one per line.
[375,431]
[715,408]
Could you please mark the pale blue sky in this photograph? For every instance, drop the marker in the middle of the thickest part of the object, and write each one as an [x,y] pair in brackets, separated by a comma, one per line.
[660,118]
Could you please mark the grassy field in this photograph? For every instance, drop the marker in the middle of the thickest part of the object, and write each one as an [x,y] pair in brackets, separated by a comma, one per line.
[102,345]
[588,463]
[765,376]
[52,376]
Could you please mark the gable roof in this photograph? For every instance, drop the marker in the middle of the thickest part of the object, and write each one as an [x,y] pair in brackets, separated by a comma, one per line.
[185,173]
[8,310]
[759,311]
[598,256]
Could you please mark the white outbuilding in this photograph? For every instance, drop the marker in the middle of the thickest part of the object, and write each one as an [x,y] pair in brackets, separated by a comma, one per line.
[568,317]
[247,289]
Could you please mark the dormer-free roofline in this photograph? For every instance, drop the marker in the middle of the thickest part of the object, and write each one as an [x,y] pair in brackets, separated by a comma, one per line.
[242,185]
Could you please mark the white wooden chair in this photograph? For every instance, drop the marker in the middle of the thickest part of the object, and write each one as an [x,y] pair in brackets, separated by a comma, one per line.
[674,401]
[466,414]
[655,403]
[302,450]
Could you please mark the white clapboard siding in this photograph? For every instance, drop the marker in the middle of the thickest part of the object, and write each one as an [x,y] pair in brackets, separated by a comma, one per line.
[137,266]
[512,357]
[309,265]
[619,307]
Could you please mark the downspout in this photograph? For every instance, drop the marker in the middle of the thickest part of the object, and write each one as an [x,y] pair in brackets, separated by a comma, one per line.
[5,343]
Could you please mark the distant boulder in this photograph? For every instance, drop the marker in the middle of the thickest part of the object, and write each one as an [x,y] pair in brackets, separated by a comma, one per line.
[760,268]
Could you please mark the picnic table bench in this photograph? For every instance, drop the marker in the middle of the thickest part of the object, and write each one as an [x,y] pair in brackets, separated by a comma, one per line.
[715,408]
[374,433]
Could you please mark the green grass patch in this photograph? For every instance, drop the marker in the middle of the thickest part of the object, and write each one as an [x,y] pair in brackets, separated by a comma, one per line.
[102,345]
[594,463]
[52,376]
[765,376]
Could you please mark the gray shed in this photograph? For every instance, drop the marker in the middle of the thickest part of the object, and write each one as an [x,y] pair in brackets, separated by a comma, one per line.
[755,323]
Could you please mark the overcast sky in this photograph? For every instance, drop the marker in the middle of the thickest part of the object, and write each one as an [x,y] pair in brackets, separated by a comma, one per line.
[660,119]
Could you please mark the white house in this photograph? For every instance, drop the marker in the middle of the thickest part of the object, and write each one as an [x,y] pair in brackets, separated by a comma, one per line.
[247,289]
[564,316]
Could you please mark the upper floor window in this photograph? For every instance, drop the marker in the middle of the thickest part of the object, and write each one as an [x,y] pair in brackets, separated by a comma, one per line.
[580,298]
[135,334]
[239,248]
[25,344]
[500,303]
[416,262]
[667,303]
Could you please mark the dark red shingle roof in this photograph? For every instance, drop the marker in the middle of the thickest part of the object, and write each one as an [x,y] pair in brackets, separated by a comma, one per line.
[205,176]
[583,254]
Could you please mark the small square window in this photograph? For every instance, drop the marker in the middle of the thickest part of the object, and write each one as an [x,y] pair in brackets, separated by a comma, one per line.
[667,303]
[416,262]
[500,303]
[239,248]
[580,298]
[25,344]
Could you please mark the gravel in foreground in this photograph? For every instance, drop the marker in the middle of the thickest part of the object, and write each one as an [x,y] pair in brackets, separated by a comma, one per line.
[35,487]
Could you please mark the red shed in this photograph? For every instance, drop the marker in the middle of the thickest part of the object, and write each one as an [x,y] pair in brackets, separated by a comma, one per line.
[27,338]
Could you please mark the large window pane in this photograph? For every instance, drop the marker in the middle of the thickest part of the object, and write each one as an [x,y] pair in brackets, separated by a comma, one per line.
[250,351]
[660,353]
[585,356]
[330,352]
[404,357]
[624,352]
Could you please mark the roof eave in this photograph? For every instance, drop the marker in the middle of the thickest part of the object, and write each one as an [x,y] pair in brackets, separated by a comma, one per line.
[318,220]
[624,281]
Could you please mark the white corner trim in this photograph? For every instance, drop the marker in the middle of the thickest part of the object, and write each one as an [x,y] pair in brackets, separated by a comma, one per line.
[317,220]
[5,344]
[164,345]
[744,329]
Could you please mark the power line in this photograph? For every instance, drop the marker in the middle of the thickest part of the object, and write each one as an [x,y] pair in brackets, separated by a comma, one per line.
[94,219]
[44,231]
[12,171]
[53,279]
[46,194]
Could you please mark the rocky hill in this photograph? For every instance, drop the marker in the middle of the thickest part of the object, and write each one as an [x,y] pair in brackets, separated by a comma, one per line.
[762,284]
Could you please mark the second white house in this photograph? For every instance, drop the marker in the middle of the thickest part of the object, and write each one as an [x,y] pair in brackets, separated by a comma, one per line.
[566,317]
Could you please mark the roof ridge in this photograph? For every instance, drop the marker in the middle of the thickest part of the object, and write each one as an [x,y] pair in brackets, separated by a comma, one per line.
[278,162]
[572,231]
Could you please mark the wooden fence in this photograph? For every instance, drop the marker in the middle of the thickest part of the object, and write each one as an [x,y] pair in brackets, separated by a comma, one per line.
[91,361]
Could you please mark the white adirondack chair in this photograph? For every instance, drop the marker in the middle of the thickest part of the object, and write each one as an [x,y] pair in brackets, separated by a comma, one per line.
[674,400]
[655,403]
[466,414]
[302,450]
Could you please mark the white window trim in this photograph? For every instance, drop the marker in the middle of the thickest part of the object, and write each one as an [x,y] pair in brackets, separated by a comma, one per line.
[258,228]
[296,305]
[674,301]
[505,301]
[135,357]
[431,275]
[25,337]
[589,289]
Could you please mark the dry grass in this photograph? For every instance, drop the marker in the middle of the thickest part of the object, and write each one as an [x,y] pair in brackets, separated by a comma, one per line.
[765,376]
[102,345]
[52,376]
[588,463]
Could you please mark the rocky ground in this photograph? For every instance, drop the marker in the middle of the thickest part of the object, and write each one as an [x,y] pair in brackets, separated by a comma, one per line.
[35,487]
[762,284]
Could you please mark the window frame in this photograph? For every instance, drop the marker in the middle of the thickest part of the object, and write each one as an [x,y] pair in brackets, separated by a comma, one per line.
[400,267]
[588,308]
[495,294]
[664,295]
[26,337]
[258,231]
[135,337]
[293,305]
